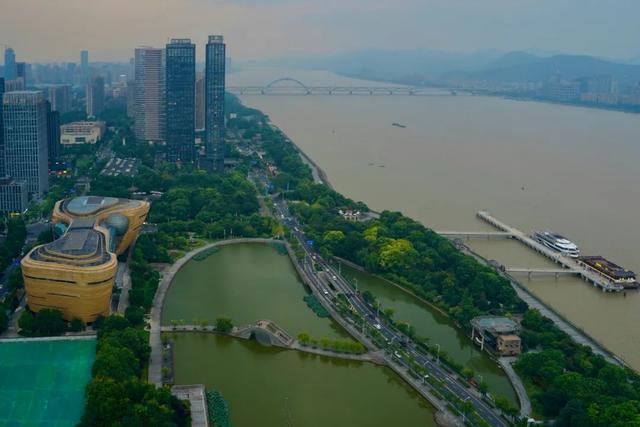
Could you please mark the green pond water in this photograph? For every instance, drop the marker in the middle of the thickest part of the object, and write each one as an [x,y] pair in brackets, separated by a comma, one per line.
[246,282]
[267,386]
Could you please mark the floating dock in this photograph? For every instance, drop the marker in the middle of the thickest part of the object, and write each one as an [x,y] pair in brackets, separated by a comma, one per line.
[569,265]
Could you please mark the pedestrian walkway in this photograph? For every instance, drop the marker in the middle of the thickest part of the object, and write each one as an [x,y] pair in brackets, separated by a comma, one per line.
[523,398]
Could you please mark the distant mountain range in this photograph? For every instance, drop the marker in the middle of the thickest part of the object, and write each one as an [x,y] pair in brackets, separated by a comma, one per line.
[431,66]
[523,67]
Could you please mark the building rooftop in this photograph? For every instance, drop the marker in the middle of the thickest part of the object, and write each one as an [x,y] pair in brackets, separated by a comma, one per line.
[87,205]
[496,324]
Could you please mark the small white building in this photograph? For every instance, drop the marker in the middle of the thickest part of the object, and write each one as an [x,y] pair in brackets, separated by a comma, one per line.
[81,133]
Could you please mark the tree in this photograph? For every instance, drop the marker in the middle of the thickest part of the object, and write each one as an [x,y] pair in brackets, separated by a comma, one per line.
[223,325]
[76,325]
[304,338]
[483,387]
[46,322]
[135,315]
[4,319]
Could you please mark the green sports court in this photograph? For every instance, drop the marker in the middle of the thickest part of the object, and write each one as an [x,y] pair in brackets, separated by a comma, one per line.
[42,381]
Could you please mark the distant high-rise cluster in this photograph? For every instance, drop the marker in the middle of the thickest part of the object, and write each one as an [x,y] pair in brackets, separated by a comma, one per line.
[169,102]
[95,96]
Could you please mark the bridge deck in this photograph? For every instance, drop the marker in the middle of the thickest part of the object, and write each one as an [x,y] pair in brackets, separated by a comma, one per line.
[568,264]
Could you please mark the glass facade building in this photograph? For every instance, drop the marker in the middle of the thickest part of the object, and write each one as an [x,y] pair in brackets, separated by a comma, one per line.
[53,133]
[25,139]
[180,76]
[214,103]
[95,96]
[3,172]
[149,105]
[10,72]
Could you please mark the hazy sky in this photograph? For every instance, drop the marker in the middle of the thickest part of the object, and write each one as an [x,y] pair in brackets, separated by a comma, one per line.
[55,30]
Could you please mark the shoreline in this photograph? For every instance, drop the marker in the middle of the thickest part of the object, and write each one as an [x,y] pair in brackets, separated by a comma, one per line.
[531,299]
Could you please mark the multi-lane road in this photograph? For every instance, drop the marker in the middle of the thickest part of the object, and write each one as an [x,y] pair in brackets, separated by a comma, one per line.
[388,331]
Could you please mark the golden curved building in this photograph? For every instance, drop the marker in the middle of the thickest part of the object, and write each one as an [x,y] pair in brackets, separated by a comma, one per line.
[75,273]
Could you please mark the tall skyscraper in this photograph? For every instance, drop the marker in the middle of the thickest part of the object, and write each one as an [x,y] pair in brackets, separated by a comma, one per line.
[53,133]
[60,98]
[25,138]
[9,64]
[131,98]
[149,94]
[3,172]
[214,103]
[84,66]
[95,96]
[200,101]
[21,73]
[180,79]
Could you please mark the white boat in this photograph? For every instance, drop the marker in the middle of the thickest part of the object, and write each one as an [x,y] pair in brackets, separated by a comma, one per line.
[557,242]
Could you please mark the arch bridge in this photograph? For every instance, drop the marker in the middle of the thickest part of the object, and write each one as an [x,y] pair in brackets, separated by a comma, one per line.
[291,86]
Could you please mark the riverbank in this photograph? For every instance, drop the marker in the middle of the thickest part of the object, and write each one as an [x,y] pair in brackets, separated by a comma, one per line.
[564,324]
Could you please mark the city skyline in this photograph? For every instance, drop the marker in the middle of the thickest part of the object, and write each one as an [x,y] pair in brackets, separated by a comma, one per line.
[261,29]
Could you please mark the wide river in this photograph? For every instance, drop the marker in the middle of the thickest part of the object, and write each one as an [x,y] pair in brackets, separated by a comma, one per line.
[533,165]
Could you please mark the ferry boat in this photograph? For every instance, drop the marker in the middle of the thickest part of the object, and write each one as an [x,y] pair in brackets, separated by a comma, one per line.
[557,243]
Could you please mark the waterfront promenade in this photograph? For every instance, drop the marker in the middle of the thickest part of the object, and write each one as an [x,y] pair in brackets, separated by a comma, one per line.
[563,324]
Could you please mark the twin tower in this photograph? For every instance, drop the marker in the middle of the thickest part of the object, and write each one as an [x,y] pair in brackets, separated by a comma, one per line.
[165,99]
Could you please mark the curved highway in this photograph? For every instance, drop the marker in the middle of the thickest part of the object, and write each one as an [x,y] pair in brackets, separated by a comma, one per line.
[390,333]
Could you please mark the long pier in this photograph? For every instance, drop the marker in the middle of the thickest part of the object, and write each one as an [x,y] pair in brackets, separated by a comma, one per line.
[468,235]
[569,265]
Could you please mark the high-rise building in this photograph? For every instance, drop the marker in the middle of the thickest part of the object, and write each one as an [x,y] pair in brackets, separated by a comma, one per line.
[149,94]
[180,79]
[95,96]
[14,196]
[21,73]
[200,101]
[60,98]
[53,133]
[25,138]
[214,103]
[2,168]
[131,98]
[84,66]
[9,64]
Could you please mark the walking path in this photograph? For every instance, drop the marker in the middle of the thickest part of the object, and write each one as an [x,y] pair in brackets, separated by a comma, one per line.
[195,395]
[155,323]
[125,277]
[294,345]
[523,398]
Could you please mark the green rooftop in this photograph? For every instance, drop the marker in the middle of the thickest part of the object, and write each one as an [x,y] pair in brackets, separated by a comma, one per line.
[42,382]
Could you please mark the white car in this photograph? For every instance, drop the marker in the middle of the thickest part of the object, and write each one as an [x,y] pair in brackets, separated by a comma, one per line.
[377,326]
[397,355]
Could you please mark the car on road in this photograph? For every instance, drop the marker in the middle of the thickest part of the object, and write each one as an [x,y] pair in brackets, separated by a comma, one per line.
[397,355]
[377,326]
[326,292]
